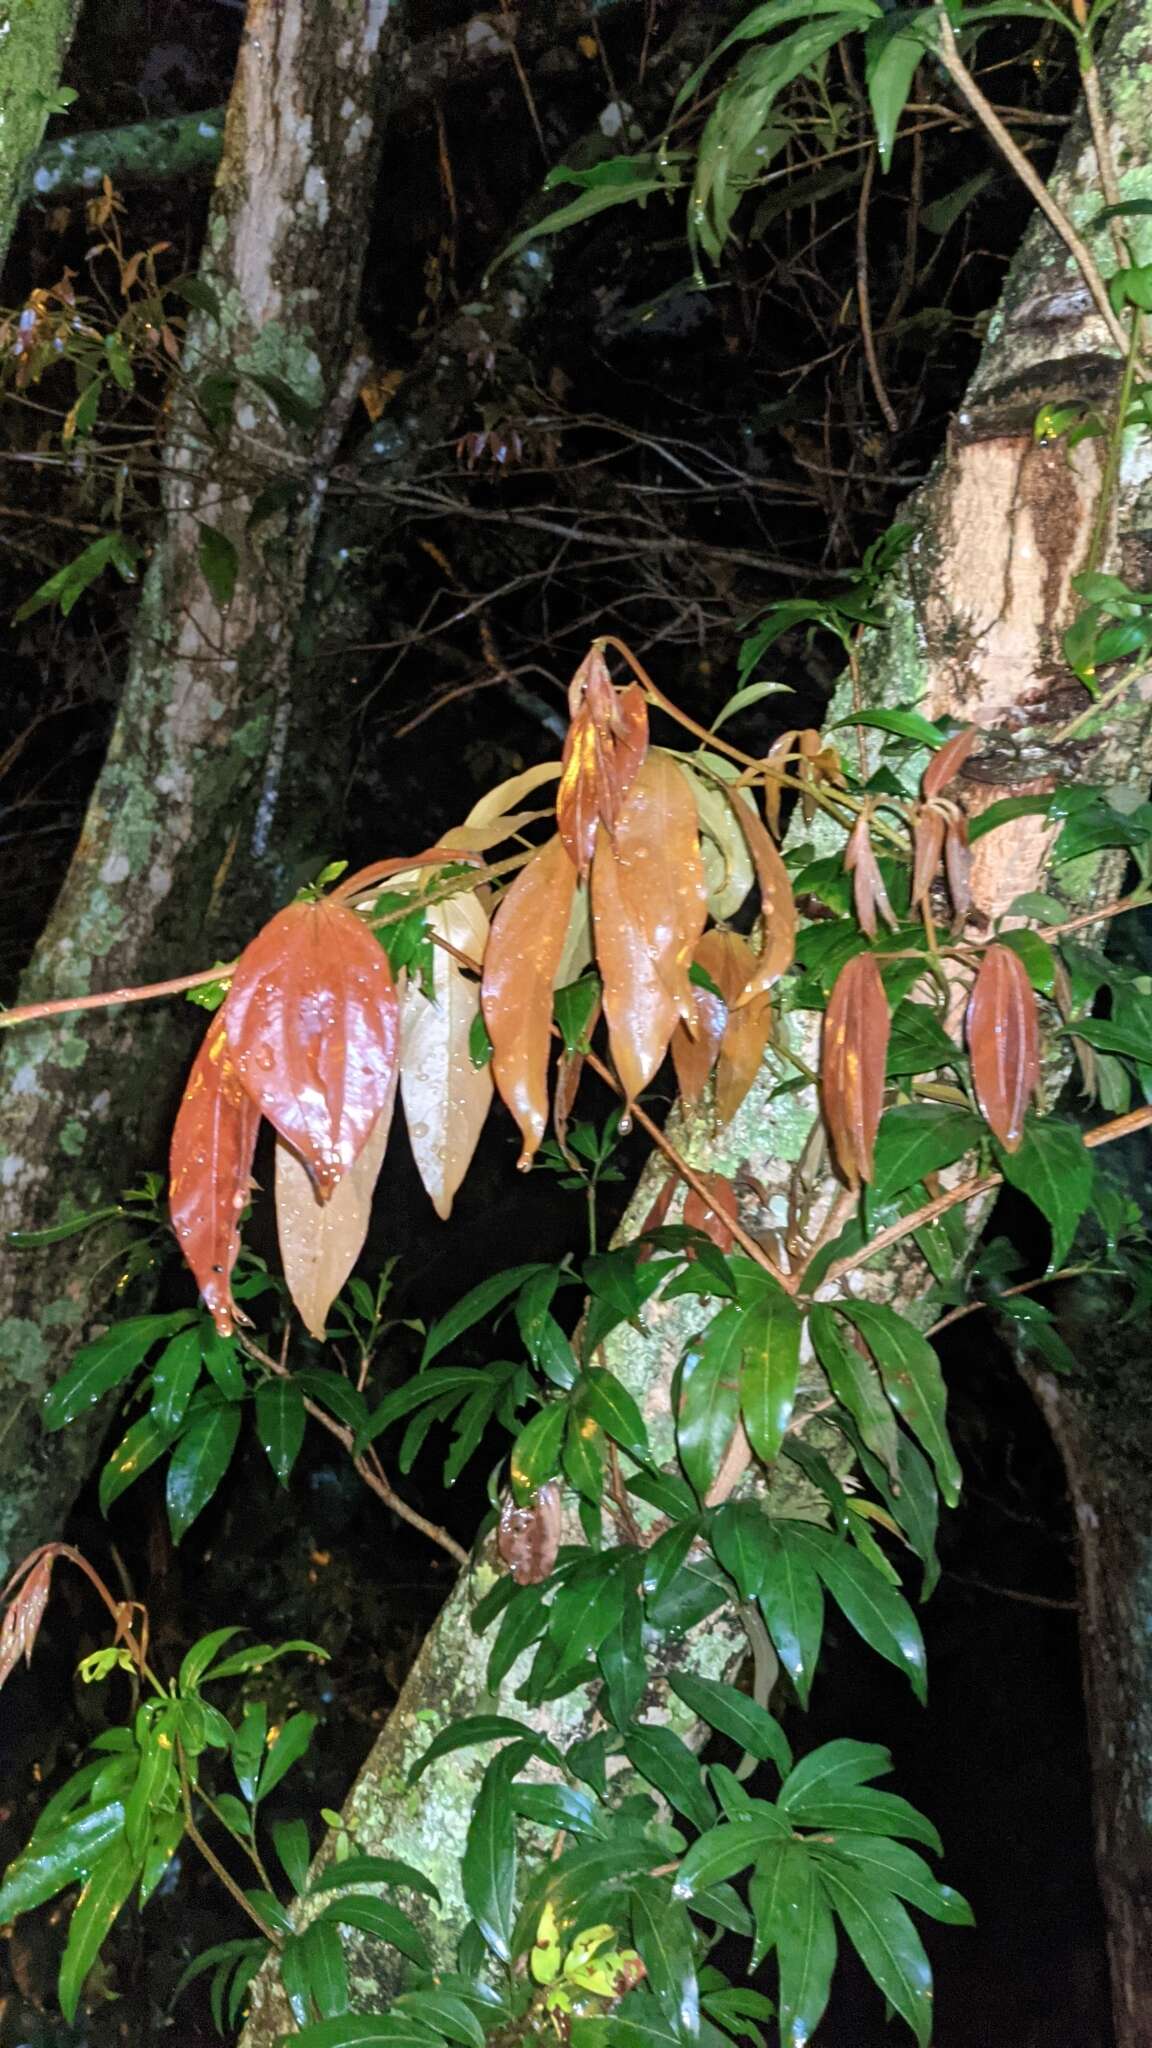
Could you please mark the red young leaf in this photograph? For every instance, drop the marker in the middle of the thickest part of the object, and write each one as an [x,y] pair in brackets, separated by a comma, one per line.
[603,754]
[524,952]
[649,905]
[25,1611]
[927,841]
[1003,1042]
[852,1068]
[777,908]
[948,760]
[210,1170]
[868,885]
[314,1025]
[380,870]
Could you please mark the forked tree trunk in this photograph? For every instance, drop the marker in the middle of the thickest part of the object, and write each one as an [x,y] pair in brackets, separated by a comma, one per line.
[172,864]
[975,615]
[974,621]
[33,45]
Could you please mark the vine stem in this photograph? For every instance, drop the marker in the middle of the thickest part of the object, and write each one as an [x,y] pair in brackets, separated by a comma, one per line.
[989,119]
[212,1860]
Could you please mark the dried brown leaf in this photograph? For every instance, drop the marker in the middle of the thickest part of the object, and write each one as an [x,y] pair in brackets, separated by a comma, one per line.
[210,1169]
[525,948]
[777,909]
[1004,1043]
[927,844]
[868,889]
[852,1067]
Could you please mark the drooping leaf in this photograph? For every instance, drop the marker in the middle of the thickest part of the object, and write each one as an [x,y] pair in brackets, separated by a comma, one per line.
[1053,1167]
[663,1935]
[733,1714]
[374,1870]
[474,1306]
[885,1940]
[140,1446]
[174,1378]
[1003,1042]
[793,1916]
[666,1761]
[854,1381]
[199,1462]
[919,1138]
[649,905]
[324,1967]
[791,1600]
[285,1747]
[853,1065]
[911,1374]
[210,1169]
[695,1054]
[61,1856]
[709,1397]
[777,908]
[488,1865]
[320,1242]
[770,1371]
[446,1097]
[730,1847]
[104,1893]
[603,753]
[890,68]
[280,1424]
[379,1917]
[892,1866]
[312,1021]
[521,963]
[875,1609]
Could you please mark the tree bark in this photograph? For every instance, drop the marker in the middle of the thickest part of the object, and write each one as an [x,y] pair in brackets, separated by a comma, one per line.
[175,850]
[33,45]
[974,618]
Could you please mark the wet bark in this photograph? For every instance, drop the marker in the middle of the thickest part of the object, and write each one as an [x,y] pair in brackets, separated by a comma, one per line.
[175,858]
[974,619]
[33,45]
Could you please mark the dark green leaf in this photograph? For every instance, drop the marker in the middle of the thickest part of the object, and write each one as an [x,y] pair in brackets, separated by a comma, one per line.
[535,1455]
[890,66]
[290,1841]
[473,1307]
[559,1808]
[358,2030]
[248,1747]
[260,1654]
[770,1372]
[524,1623]
[219,563]
[381,1918]
[911,1374]
[443,2012]
[917,1043]
[199,1461]
[875,1609]
[1053,1167]
[477,1728]
[139,1447]
[284,1750]
[616,1411]
[667,1763]
[587,1607]
[623,1668]
[919,1138]
[575,1006]
[907,725]
[709,1396]
[741,1536]
[892,1866]
[105,1363]
[222,1362]
[335,1393]
[729,1848]
[886,1942]
[793,1916]
[733,1714]
[174,1378]
[488,1865]
[61,1857]
[854,1381]
[280,1420]
[662,1933]
[792,1602]
[357,1870]
[97,1907]
[325,1970]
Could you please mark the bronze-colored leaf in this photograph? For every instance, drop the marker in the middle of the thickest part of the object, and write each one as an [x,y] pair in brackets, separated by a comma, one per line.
[777,909]
[446,1098]
[958,865]
[25,1611]
[868,889]
[948,760]
[528,1538]
[603,754]
[1004,1042]
[742,1049]
[649,905]
[210,1169]
[927,842]
[313,1024]
[694,1057]
[715,1216]
[320,1242]
[525,947]
[852,1066]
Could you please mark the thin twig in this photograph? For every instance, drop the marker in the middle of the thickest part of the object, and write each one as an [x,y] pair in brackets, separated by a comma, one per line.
[864,297]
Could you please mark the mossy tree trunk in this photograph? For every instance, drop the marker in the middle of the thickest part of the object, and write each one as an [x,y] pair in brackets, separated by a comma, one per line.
[174,858]
[33,45]
[975,615]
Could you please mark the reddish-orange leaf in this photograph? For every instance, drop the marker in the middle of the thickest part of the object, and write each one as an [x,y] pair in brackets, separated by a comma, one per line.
[380,870]
[958,865]
[777,909]
[25,1612]
[695,1056]
[210,1170]
[852,1066]
[657,1214]
[314,1026]
[868,889]
[948,760]
[649,905]
[927,841]
[525,948]
[746,1035]
[603,754]
[715,1216]
[1003,1042]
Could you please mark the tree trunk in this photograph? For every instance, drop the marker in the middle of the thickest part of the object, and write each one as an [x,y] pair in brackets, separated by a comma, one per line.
[974,618]
[173,862]
[33,45]
[1102,1423]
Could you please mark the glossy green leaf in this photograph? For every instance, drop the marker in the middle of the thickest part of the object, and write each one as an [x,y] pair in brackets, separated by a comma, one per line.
[199,1461]
[733,1714]
[886,1942]
[154,1778]
[856,1385]
[709,1397]
[524,1623]
[919,1138]
[248,1742]
[535,1455]
[284,1750]
[104,1893]
[616,1411]
[222,1361]
[1054,1168]
[479,1728]
[562,1809]
[911,1374]
[326,1972]
[875,1609]
[290,1841]
[473,1307]
[574,1007]
[488,1865]
[358,2030]
[793,1916]
[832,1767]
[280,1421]
[791,1600]
[622,1663]
[667,1763]
[587,1606]
[770,1372]
[892,1866]
[174,1378]
[140,1446]
[890,66]
[907,725]
[662,1932]
[741,1536]
[61,1857]
[335,1393]
[917,1042]
[381,1918]
[732,1846]
[443,2013]
[106,1363]
[355,1870]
